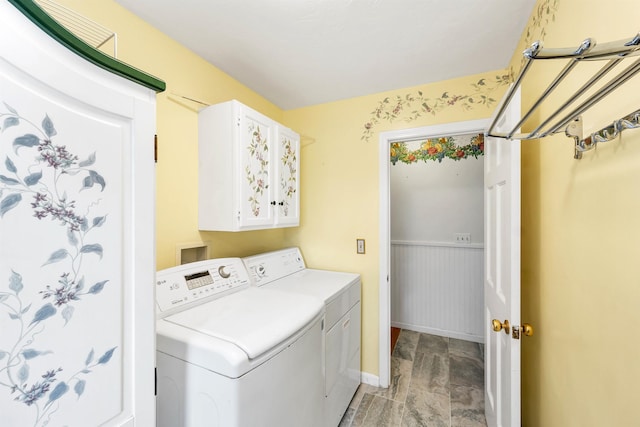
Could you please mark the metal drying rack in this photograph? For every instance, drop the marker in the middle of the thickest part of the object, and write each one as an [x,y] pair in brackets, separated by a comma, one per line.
[92,33]
[571,123]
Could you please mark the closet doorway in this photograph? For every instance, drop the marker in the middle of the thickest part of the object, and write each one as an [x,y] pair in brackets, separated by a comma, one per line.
[428,242]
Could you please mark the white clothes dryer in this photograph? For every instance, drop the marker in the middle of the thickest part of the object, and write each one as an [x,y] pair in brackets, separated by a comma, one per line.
[285,270]
[231,355]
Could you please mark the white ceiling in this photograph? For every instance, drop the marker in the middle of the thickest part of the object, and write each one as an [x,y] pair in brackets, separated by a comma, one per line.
[297,53]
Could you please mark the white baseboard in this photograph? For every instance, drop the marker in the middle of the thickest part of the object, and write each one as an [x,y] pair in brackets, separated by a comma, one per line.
[370,379]
[440,332]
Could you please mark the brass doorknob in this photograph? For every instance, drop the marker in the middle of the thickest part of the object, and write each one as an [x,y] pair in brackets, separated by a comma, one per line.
[498,326]
[527,329]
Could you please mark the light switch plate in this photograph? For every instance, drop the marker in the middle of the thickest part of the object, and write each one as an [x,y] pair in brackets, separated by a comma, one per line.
[360,246]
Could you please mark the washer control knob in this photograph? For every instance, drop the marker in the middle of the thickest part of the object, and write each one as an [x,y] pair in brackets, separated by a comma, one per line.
[261,270]
[222,271]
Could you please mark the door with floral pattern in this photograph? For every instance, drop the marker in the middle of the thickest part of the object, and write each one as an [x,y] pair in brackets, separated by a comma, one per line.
[256,191]
[77,262]
[288,166]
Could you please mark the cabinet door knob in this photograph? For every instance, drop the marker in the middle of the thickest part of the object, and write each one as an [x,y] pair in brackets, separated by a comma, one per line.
[273,203]
[281,203]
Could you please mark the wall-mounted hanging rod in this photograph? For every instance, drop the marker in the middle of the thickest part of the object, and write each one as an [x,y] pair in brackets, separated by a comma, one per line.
[596,97]
[584,47]
[89,31]
[593,80]
[188,98]
[612,52]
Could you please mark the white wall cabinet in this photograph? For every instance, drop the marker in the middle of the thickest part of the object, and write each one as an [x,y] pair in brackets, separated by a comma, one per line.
[249,169]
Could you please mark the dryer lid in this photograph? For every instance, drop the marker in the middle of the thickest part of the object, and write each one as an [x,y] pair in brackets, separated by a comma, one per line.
[255,320]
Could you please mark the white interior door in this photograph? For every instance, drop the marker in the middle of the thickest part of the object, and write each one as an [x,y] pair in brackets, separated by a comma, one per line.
[502,273]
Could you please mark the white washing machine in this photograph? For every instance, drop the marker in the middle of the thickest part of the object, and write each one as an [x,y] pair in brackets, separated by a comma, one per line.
[229,354]
[285,271]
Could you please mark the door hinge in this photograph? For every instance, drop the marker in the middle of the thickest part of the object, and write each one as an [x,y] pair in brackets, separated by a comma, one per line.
[155,148]
[155,385]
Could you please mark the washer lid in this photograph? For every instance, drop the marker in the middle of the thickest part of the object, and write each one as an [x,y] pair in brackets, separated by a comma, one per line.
[255,319]
[324,284]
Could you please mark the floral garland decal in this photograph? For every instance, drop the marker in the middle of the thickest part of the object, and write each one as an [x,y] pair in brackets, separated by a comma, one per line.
[412,106]
[437,149]
[257,180]
[49,180]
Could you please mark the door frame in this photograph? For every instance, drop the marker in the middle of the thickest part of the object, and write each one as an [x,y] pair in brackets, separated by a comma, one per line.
[384,297]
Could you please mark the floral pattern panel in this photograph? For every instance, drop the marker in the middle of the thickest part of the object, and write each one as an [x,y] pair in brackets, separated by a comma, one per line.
[61,274]
[257,164]
[289,162]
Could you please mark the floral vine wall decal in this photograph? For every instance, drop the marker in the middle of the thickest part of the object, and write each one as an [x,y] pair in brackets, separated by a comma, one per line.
[412,106]
[52,177]
[544,14]
[436,149]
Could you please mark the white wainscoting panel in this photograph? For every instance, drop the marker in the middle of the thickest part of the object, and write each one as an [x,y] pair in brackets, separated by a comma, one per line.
[438,288]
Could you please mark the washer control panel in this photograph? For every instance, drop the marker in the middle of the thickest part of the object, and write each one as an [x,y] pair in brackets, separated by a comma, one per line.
[177,287]
[270,266]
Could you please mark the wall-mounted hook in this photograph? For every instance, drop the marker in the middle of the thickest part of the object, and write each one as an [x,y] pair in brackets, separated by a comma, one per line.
[608,133]
[574,130]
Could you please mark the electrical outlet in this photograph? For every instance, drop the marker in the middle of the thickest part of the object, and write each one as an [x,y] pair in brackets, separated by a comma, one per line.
[360,246]
[463,237]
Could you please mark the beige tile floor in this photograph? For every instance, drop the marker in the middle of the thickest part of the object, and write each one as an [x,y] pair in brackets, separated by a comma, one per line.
[435,381]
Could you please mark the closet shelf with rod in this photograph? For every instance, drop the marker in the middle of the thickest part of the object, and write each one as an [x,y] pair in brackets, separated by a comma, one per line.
[570,120]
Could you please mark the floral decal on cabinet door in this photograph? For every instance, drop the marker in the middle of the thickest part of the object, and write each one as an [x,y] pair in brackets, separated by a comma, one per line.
[257,169]
[436,149]
[288,175]
[46,177]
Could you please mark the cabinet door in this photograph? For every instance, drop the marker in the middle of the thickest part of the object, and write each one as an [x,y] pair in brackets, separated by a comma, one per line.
[288,178]
[77,342]
[256,191]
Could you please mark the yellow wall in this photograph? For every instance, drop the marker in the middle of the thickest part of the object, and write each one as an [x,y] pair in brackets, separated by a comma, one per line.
[185,74]
[339,172]
[580,238]
[579,218]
